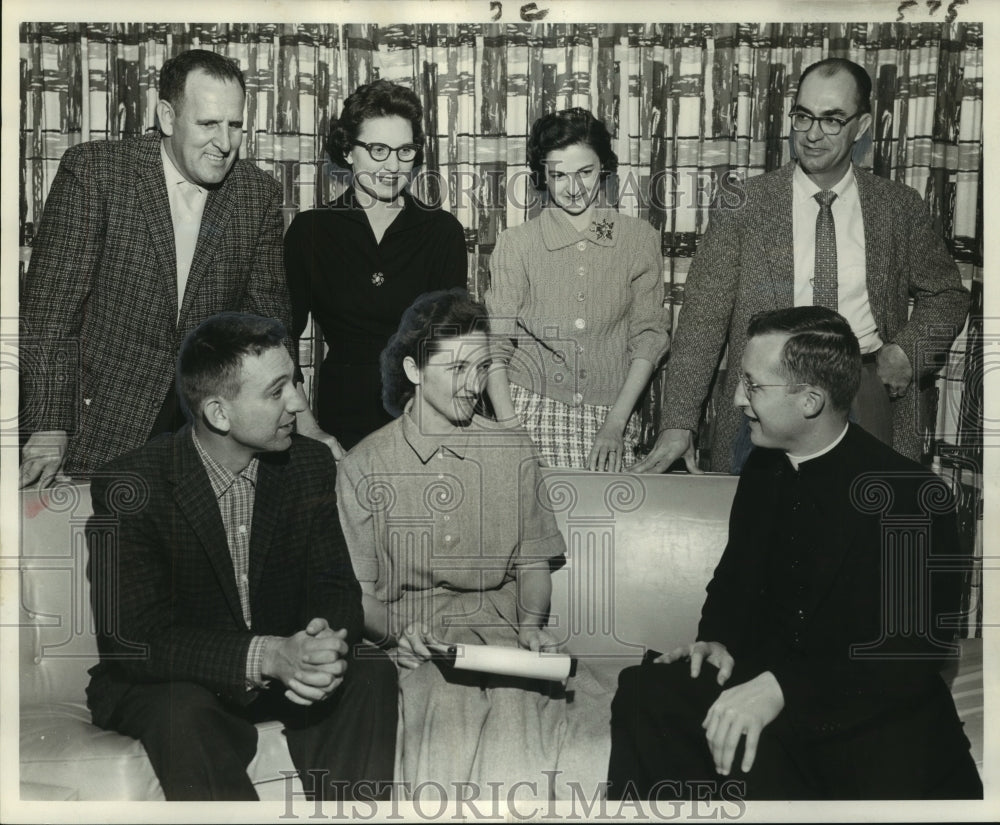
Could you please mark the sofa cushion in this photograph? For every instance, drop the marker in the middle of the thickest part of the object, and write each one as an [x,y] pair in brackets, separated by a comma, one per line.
[640,550]
[58,740]
[44,792]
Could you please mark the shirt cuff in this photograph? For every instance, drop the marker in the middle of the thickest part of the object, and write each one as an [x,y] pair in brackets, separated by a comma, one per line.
[255,660]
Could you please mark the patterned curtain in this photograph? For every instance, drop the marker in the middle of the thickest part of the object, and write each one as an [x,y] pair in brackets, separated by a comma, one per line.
[685,103]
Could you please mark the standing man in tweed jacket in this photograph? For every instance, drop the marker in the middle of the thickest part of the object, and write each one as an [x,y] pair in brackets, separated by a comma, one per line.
[765,250]
[140,240]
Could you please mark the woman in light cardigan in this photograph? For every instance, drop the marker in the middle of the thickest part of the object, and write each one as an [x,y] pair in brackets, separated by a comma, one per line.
[577,294]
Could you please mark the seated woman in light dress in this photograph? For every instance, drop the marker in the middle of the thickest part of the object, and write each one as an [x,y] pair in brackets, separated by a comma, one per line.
[446,517]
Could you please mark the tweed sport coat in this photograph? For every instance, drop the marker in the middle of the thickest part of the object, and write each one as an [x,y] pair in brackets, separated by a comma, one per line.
[162,583]
[99,320]
[745,264]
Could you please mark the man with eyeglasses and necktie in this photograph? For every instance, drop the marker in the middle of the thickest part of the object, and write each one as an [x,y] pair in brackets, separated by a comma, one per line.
[815,673]
[817,231]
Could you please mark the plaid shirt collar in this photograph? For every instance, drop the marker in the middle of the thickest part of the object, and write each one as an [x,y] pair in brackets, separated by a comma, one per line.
[219,477]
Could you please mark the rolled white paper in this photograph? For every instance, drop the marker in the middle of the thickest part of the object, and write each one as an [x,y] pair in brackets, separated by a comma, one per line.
[511,661]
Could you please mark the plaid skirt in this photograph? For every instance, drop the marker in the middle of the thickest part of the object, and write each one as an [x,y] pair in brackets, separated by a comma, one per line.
[564,433]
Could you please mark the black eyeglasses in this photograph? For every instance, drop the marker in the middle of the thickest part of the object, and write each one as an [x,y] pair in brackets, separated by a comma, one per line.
[380,151]
[802,122]
[749,387]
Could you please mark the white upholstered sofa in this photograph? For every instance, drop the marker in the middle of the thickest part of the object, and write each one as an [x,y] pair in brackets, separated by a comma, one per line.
[641,550]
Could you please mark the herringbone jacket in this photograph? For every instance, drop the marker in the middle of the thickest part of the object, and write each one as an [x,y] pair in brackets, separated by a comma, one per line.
[745,264]
[163,587]
[100,329]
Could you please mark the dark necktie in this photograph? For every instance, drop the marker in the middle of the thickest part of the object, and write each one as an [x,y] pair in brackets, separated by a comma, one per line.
[825,274]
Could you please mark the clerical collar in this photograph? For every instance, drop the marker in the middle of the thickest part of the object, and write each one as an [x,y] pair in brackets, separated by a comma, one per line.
[796,460]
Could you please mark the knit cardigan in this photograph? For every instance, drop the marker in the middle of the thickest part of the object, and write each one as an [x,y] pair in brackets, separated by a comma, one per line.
[573,309]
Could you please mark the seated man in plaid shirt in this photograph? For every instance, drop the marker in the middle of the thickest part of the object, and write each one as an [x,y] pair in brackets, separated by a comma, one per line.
[227,596]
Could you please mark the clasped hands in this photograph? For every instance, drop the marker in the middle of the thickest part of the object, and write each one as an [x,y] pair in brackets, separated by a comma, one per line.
[309,663]
[417,644]
[744,710]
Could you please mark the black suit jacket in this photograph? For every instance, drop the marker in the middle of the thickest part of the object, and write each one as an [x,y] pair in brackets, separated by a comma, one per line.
[162,581]
[884,576]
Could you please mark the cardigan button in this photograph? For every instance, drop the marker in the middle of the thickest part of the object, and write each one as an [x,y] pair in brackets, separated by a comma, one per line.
[579,323]
[581,245]
[577,398]
[581,297]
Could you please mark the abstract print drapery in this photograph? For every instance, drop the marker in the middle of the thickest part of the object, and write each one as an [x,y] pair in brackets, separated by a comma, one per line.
[685,103]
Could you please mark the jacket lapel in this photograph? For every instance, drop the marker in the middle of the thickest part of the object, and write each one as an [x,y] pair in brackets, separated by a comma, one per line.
[777,237]
[878,229]
[196,501]
[218,211]
[152,191]
[268,501]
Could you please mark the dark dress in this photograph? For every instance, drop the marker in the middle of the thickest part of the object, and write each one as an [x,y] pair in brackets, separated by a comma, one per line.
[357,291]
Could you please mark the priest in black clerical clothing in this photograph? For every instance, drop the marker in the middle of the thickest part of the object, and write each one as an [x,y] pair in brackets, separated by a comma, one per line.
[816,670]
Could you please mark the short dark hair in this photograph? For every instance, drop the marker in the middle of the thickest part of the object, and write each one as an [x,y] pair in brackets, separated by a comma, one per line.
[211,355]
[822,349]
[379,99]
[862,80]
[569,127]
[428,322]
[173,74]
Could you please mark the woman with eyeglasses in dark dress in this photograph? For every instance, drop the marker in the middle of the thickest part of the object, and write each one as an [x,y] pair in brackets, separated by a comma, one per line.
[358,262]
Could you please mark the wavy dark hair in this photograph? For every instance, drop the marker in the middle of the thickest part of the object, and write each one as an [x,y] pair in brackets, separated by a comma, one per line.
[432,319]
[379,99]
[569,127]
[211,356]
[173,74]
[822,349]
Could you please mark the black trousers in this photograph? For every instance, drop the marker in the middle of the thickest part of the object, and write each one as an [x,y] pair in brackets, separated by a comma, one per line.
[200,746]
[659,750]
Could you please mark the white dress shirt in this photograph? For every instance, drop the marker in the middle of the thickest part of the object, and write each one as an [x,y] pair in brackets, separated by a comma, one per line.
[852,289]
[187,202]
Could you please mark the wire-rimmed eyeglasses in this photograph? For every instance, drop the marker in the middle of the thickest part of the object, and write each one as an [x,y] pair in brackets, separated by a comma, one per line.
[381,151]
[830,125]
[749,387]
